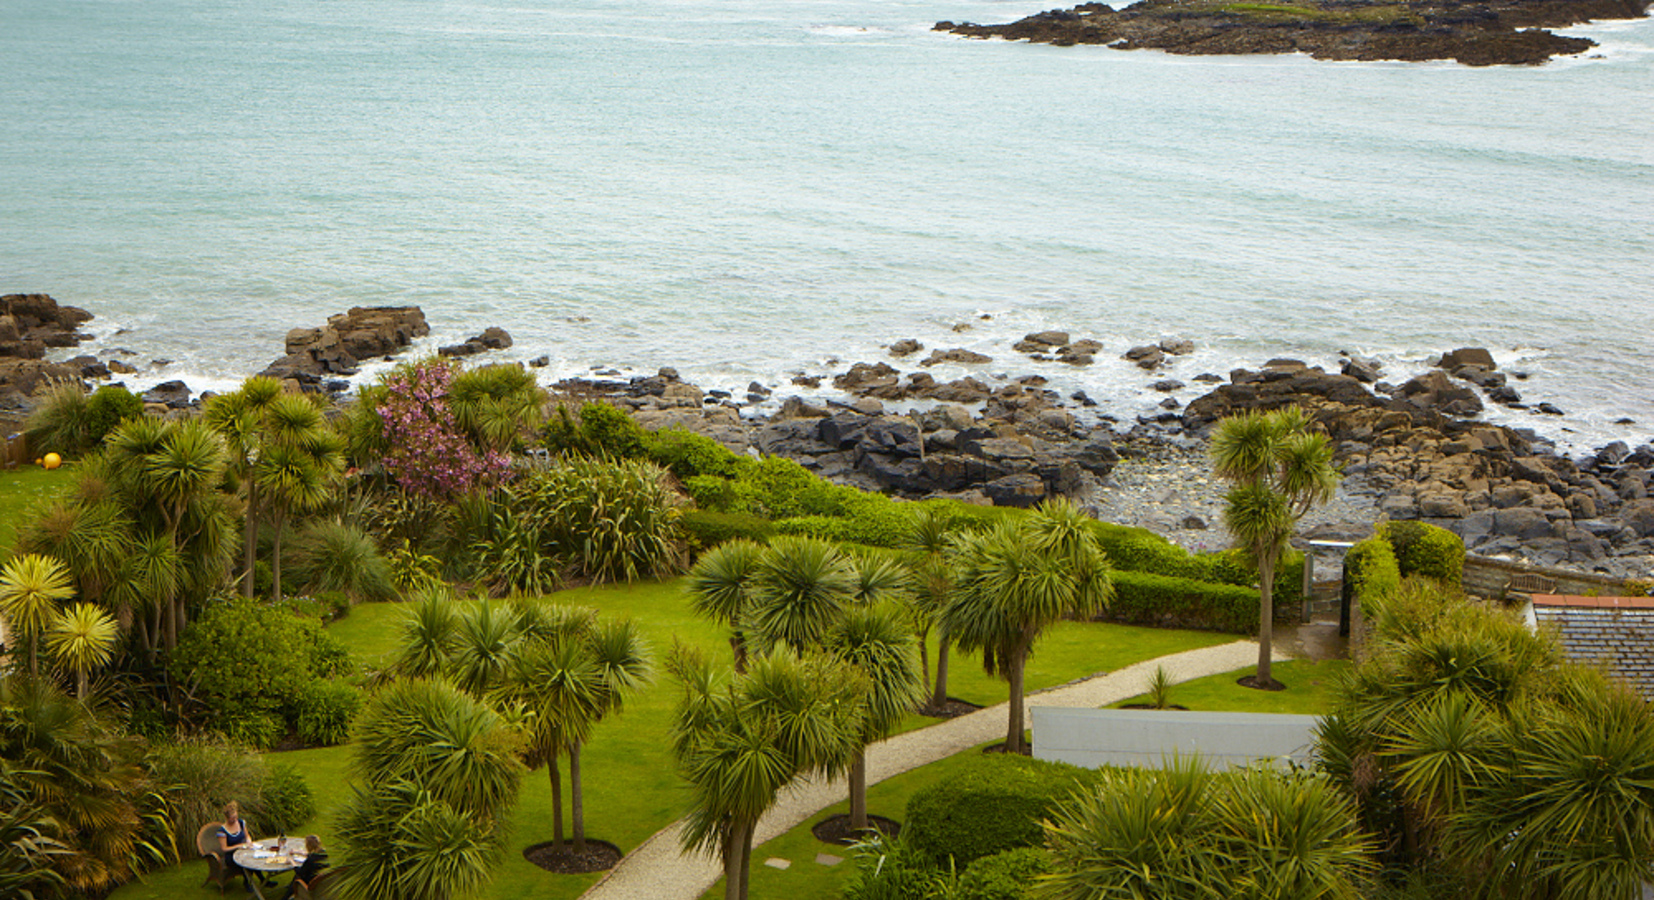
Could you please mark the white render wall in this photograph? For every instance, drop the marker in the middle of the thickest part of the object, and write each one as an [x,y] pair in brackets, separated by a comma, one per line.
[1143,737]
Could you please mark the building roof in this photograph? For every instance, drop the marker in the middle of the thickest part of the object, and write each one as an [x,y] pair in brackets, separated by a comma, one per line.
[1616,631]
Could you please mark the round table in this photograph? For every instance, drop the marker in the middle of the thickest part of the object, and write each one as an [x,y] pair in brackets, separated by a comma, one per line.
[264,856]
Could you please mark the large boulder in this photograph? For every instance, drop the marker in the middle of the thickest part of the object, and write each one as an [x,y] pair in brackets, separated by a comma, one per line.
[1273,389]
[1453,360]
[337,347]
[957,355]
[29,323]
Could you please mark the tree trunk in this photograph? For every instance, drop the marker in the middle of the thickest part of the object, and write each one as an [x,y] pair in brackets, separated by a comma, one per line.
[738,647]
[577,802]
[251,537]
[924,656]
[939,698]
[746,857]
[1013,734]
[1266,617]
[80,685]
[556,802]
[169,624]
[733,860]
[858,791]
[275,560]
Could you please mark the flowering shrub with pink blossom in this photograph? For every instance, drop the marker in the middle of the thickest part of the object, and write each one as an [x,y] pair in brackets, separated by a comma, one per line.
[429,455]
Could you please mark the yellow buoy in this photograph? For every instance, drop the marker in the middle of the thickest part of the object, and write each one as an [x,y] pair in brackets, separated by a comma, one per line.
[51,460]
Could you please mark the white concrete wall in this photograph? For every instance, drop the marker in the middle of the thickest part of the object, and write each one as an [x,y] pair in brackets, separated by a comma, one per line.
[1143,737]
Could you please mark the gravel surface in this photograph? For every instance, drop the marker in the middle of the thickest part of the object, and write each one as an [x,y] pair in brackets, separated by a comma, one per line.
[656,870]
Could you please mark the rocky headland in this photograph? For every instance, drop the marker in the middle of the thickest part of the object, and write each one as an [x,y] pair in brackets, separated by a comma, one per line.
[1472,32]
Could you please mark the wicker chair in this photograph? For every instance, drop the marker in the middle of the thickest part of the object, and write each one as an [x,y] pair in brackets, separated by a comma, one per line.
[206,841]
[319,887]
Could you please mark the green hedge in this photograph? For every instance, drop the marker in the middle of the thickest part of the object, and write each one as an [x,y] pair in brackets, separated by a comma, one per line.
[1423,549]
[1008,875]
[706,528]
[995,805]
[1164,601]
[1140,550]
[1371,572]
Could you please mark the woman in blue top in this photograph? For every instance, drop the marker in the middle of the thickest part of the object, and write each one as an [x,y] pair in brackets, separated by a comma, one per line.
[233,833]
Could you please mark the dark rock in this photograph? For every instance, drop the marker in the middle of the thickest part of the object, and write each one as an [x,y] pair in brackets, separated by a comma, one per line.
[1177,346]
[1435,391]
[1466,356]
[174,394]
[540,362]
[359,334]
[1521,522]
[492,338]
[894,437]
[1209,378]
[1167,385]
[1081,398]
[791,438]
[905,347]
[756,388]
[796,408]
[864,377]
[1505,395]
[841,431]
[1147,356]
[1362,370]
[1549,409]
[1047,339]
[1485,379]
[1023,490]
[1170,403]
[1194,523]
[811,381]
[957,355]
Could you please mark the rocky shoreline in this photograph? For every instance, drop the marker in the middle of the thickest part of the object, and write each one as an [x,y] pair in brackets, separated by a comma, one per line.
[1413,450]
[1503,32]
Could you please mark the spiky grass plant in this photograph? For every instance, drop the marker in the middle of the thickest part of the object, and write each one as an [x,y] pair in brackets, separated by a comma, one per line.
[334,556]
[1160,688]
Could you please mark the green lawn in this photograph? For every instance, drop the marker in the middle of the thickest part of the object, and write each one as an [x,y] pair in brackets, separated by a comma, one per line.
[632,786]
[1308,690]
[23,489]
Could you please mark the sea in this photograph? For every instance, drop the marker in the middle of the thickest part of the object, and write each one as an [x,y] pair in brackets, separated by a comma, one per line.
[748,190]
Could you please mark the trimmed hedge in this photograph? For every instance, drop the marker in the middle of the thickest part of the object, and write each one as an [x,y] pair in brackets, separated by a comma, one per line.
[708,528]
[1140,550]
[1371,572]
[1164,601]
[996,804]
[1003,876]
[1423,549]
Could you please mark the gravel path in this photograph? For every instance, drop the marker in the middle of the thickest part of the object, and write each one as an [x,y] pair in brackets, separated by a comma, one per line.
[656,870]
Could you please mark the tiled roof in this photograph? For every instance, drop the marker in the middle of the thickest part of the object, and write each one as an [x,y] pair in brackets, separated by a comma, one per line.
[1618,631]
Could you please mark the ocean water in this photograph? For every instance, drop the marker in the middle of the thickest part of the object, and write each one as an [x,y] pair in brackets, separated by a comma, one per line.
[747,190]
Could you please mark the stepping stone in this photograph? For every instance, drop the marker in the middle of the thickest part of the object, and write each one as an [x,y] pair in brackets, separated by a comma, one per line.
[828,859]
[777,863]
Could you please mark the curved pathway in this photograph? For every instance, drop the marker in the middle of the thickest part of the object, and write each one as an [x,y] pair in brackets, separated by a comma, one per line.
[657,870]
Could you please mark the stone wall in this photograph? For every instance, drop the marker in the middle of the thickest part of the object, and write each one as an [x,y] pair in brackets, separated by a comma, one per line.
[1496,579]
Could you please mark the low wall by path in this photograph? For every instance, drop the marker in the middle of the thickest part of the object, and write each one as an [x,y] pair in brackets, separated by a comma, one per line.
[1496,579]
[1144,737]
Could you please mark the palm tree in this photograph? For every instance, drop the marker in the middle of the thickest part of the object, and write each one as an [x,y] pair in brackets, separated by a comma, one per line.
[719,587]
[31,587]
[876,641]
[82,639]
[441,776]
[1278,469]
[1017,578]
[428,637]
[299,464]
[739,744]
[485,642]
[799,590]
[239,417]
[91,535]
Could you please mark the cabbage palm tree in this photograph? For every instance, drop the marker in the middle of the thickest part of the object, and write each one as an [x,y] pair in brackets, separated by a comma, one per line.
[1015,580]
[1279,470]
[82,639]
[239,417]
[799,590]
[741,743]
[877,642]
[485,642]
[719,586]
[428,636]
[933,581]
[31,587]
[91,535]
[299,464]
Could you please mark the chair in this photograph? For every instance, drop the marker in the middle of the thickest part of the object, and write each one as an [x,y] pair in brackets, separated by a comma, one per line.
[206,841]
[319,887]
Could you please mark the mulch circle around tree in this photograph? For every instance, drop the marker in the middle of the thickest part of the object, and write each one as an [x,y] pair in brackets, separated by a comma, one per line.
[1152,706]
[952,709]
[837,830]
[1251,681]
[1027,748]
[561,858]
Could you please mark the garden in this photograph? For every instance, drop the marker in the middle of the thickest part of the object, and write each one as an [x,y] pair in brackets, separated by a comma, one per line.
[483,642]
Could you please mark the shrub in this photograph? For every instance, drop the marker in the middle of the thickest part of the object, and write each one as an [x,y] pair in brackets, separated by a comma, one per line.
[1142,598]
[713,493]
[429,453]
[895,870]
[994,805]
[1008,875]
[333,556]
[687,454]
[323,711]
[706,529]
[1423,549]
[284,801]
[602,430]
[1371,572]
[198,778]
[71,422]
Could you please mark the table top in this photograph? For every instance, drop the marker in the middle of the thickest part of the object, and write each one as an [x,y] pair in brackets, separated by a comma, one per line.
[264,856]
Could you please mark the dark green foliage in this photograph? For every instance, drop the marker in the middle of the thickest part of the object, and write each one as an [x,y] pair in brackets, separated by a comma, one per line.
[243,662]
[333,556]
[323,711]
[874,524]
[1142,598]
[1008,875]
[995,805]
[713,493]
[109,406]
[706,529]
[597,430]
[284,801]
[1423,549]
[896,870]
[1371,572]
